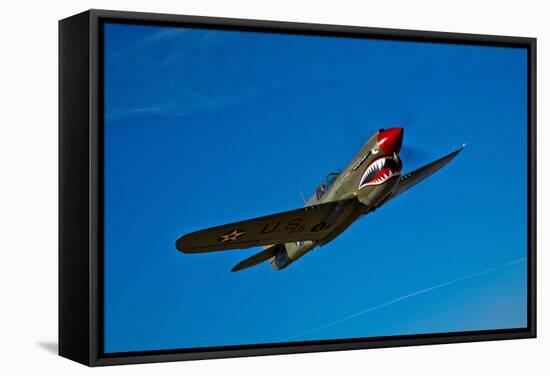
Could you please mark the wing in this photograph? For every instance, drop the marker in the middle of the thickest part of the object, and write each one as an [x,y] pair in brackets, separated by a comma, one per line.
[410,179]
[309,223]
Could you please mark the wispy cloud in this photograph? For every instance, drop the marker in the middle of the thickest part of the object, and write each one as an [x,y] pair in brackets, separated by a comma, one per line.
[408,296]
[175,71]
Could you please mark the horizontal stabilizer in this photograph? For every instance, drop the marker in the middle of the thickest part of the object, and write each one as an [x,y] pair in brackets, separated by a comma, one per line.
[266,254]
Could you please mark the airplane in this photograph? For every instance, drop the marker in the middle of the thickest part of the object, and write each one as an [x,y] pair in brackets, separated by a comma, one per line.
[372,179]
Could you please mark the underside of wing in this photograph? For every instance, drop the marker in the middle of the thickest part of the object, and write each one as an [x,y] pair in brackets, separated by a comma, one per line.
[410,179]
[309,223]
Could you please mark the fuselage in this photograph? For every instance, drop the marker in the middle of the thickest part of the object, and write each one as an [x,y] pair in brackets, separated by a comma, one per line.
[367,180]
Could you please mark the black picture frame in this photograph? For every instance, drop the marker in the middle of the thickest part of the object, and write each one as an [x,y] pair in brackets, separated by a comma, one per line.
[80,187]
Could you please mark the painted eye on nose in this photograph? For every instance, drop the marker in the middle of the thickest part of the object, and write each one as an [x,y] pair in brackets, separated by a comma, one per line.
[375,151]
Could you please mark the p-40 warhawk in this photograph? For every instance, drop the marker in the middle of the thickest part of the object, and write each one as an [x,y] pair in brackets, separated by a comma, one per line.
[372,179]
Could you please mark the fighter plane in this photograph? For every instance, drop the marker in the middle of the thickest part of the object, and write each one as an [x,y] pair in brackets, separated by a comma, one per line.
[372,179]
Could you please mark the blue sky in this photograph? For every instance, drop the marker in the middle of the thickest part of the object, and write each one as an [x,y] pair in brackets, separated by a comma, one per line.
[206,127]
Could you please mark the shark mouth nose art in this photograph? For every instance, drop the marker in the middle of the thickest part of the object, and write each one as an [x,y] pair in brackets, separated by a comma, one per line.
[381,170]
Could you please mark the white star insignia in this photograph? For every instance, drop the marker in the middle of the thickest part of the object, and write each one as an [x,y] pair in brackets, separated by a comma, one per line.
[233,235]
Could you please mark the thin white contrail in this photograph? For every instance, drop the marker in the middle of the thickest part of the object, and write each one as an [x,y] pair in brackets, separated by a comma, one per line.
[419,292]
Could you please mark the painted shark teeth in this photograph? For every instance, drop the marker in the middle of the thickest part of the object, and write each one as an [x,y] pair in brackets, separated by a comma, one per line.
[376,165]
[382,178]
[372,171]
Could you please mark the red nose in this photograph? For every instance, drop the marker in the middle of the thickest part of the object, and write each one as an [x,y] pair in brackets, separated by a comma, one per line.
[390,140]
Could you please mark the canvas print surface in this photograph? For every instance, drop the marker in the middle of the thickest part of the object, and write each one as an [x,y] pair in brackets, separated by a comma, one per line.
[266,188]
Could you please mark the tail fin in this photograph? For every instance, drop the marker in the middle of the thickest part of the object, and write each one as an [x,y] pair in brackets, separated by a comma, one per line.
[264,255]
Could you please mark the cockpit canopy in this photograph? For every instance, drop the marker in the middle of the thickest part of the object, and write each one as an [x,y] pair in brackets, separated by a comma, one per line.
[325,185]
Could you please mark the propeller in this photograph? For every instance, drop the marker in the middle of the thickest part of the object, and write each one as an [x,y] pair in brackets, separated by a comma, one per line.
[413,154]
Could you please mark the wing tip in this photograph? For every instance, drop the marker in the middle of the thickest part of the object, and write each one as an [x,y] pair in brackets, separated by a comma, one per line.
[181,246]
[456,152]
